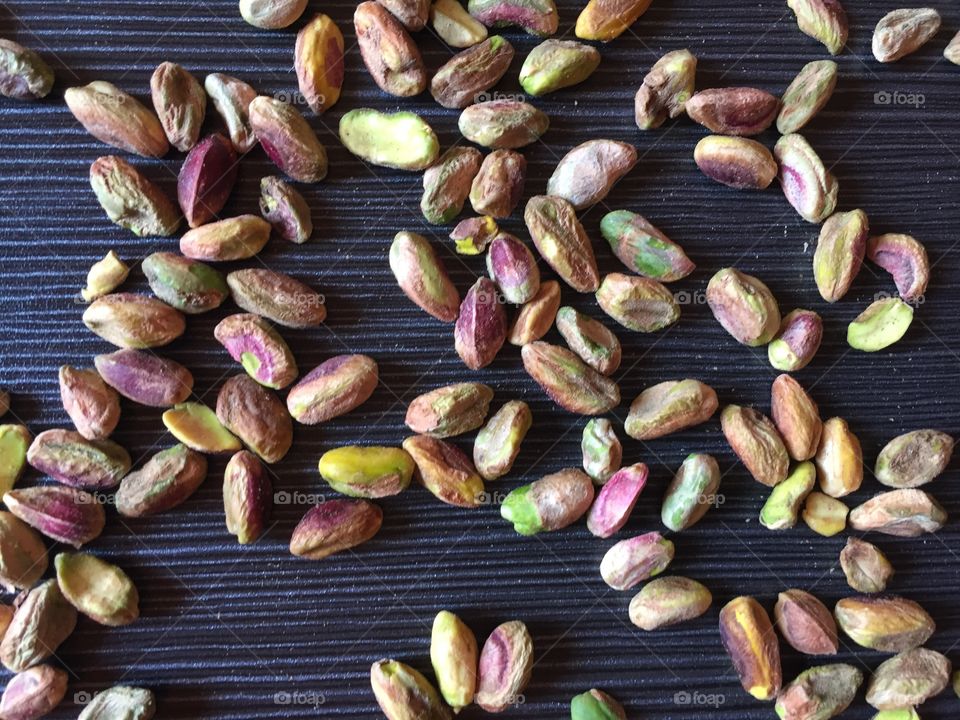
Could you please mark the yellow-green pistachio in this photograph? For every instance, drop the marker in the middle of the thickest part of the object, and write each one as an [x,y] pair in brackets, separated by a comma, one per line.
[536,317]
[902,32]
[866,568]
[643,248]
[905,259]
[145,378]
[318,62]
[33,693]
[65,514]
[134,321]
[910,678]
[367,472]
[819,693]
[601,449]
[825,515]
[23,556]
[616,499]
[748,636]
[256,416]
[70,458]
[691,493]
[808,186]
[263,353]
[130,199]
[277,297]
[782,508]
[99,590]
[180,102]
[740,111]
[631,561]
[638,303]
[272,14]
[537,17]
[806,623]
[120,703]
[881,325]
[454,24]
[839,459]
[465,78]
[561,240]
[247,497]
[206,179]
[551,503]
[823,20]
[901,513]
[455,659]
[590,339]
[496,189]
[400,140]
[556,64]
[445,471]
[744,306]
[116,118]
[889,624]
[231,98]
[737,162]
[503,124]
[914,458]
[404,694]
[104,277]
[669,407]
[446,184]
[93,406]
[333,526]
[412,13]
[423,277]
[450,410]
[512,266]
[899,714]
[596,705]
[568,381]
[796,416]
[606,20]
[667,601]
[839,254]
[238,238]
[798,340]
[165,481]
[333,388]
[666,89]
[806,95]
[506,664]
[755,440]
[197,427]
[188,285]
[42,621]
[586,174]
[24,75]
[388,51]
[952,53]
[498,442]
[481,327]
[288,140]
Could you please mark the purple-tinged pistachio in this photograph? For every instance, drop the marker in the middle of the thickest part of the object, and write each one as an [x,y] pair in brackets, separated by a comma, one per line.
[825,515]
[551,503]
[755,440]
[556,64]
[277,297]
[796,416]
[454,656]
[503,124]
[446,471]
[65,514]
[180,102]
[231,98]
[333,526]
[473,235]
[537,17]
[889,624]
[536,316]
[738,111]
[587,174]
[902,513]
[498,443]
[667,601]
[748,636]
[116,118]
[14,441]
[446,184]
[272,14]
[454,24]
[92,405]
[806,95]
[736,162]
[423,277]
[596,705]
[145,378]
[952,54]
[601,450]
[105,276]
[691,493]
[24,75]
[643,248]
[666,89]
[260,349]
[866,568]
[165,481]
[798,340]
[367,472]
[782,508]
[333,388]
[450,410]
[128,320]
[404,694]
[806,623]
[33,693]
[881,325]
[401,140]
[130,199]
[318,61]
[237,238]
[256,416]
[819,693]
[70,458]
[839,459]
[481,327]
[839,253]
[101,591]
[823,20]
[590,339]
[42,621]
[808,186]
[286,210]
[412,13]
[188,285]
[388,51]
[197,427]
[513,268]
[498,186]
[469,74]
[669,407]
[288,140]
[206,179]
[568,381]
[905,259]
[561,240]
[911,678]
[632,561]
[914,459]
[23,556]
[744,306]
[902,32]
[608,19]
[615,501]
[637,303]
[247,497]
[120,703]
[506,664]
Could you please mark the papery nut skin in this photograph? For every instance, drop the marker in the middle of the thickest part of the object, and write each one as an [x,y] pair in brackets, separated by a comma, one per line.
[471,72]
[902,32]
[286,210]
[42,622]
[33,693]
[568,381]
[586,174]
[562,241]
[423,277]
[866,568]
[206,179]
[498,186]
[669,407]
[806,623]
[288,139]
[819,693]
[952,51]
[412,14]
[744,306]
[905,258]
[643,248]
[797,342]
[187,285]
[551,503]
[498,443]
[23,555]
[590,339]
[131,200]
[247,497]
[914,458]
[615,501]
[901,513]
[637,303]
[404,694]
[740,111]
[334,526]
[272,14]
[145,378]
[237,238]
[748,636]
[666,601]
[14,442]
[481,327]
[691,493]
[503,124]
[796,416]
[755,440]
[536,17]
[93,406]
[263,353]
[446,184]
[910,678]
[278,298]
[116,118]
[536,317]
[388,51]
[512,266]
[65,514]
[806,95]
[506,664]
[318,61]
[737,162]
[180,102]
[165,481]
[71,459]
[450,410]
[601,450]
[120,703]
[636,559]
[839,254]
[889,624]
[134,321]
[333,388]
[556,64]
[666,89]
[24,75]
[808,186]
[445,471]
[257,416]
[823,20]
[231,98]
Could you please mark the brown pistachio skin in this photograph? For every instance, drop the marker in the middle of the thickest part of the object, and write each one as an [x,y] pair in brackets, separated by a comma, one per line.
[471,72]
[562,241]
[43,620]
[823,20]
[914,459]
[93,405]
[423,277]
[909,679]
[134,321]
[333,526]
[288,139]
[806,623]
[801,332]
[446,184]
[839,254]
[333,388]
[669,407]
[505,667]
[902,32]
[253,343]
[755,440]
[167,480]
[503,124]
[412,13]
[640,304]
[445,471]
[736,162]
[901,513]
[24,75]
[796,416]
[71,459]
[748,636]
[512,266]
[498,186]
[888,624]
[905,259]
[388,51]
[65,514]
[403,693]
[536,316]
[180,102]
[481,327]
[145,378]
[231,98]
[318,61]
[24,558]
[33,693]
[593,341]
[568,381]
[256,416]
[207,179]
[277,297]
[586,174]
[449,410]
[498,442]
[740,111]
[866,568]
[286,210]
[247,497]
[744,306]
[115,118]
